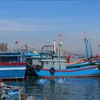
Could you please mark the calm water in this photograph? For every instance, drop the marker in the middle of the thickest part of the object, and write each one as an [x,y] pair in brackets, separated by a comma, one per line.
[62,89]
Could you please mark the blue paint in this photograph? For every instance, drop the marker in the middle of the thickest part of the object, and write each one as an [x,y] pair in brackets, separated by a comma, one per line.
[75,72]
[11,74]
[27,55]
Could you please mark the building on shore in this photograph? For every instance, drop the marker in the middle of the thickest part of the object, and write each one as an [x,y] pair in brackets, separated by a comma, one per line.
[3,47]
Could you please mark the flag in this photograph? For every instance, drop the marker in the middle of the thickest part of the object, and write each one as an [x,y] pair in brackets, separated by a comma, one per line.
[68,58]
[99,44]
[60,35]
[16,42]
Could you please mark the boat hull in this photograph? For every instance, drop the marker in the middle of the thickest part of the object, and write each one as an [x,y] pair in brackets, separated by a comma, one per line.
[12,72]
[87,71]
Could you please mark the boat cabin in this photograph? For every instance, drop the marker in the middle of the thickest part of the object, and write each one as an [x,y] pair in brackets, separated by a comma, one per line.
[10,57]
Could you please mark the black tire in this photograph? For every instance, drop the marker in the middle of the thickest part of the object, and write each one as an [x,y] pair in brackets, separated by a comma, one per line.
[52,71]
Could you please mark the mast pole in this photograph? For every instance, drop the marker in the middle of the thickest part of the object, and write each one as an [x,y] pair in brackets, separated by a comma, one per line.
[59,58]
[91,52]
[60,51]
[86,46]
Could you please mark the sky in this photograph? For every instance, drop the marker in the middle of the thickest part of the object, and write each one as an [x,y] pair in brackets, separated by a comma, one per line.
[40,22]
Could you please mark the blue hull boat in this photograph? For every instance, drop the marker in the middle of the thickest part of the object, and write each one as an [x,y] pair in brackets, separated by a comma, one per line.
[12,65]
[75,72]
[85,69]
[8,92]
[12,71]
[55,66]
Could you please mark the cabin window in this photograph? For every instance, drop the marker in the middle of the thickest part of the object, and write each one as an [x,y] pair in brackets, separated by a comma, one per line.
[36,62]
[29,61]
[9,59]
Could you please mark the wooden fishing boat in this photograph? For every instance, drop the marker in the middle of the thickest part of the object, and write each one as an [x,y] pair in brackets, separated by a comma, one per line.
[13,65]
[54,69]
[49,65]
[8,92]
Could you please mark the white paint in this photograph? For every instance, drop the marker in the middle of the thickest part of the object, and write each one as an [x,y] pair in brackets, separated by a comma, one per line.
[1,69]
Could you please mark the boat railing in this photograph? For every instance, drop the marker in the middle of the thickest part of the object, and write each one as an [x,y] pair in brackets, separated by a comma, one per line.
[53,60]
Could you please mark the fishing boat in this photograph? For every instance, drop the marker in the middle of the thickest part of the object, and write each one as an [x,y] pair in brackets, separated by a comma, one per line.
[13,65]
[8,92]
[49,65]
[54,69]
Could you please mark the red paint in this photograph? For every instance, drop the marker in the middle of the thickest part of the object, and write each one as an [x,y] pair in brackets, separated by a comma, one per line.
[12,63]
[78,69]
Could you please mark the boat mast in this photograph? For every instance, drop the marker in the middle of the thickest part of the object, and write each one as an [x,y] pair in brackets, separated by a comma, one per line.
[54,46]
[60,50]
[91,53]
[26,47]
[86,46]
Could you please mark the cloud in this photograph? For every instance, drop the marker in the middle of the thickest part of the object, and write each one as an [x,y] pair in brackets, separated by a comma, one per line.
[28,25]
[35,24]
[17,25]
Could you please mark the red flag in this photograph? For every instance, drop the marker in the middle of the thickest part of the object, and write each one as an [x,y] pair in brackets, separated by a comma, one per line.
[60,35]
[99,44]
[68,58]
[16,42]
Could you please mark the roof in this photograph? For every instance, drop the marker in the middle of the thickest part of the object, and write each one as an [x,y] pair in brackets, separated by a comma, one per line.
[10,54]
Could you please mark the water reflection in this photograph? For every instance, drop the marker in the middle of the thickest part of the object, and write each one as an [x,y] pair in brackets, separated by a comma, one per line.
[64,89]
[36,91]
[52,89]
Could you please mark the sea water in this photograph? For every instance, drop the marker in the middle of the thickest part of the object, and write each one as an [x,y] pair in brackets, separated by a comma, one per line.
[62,89]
